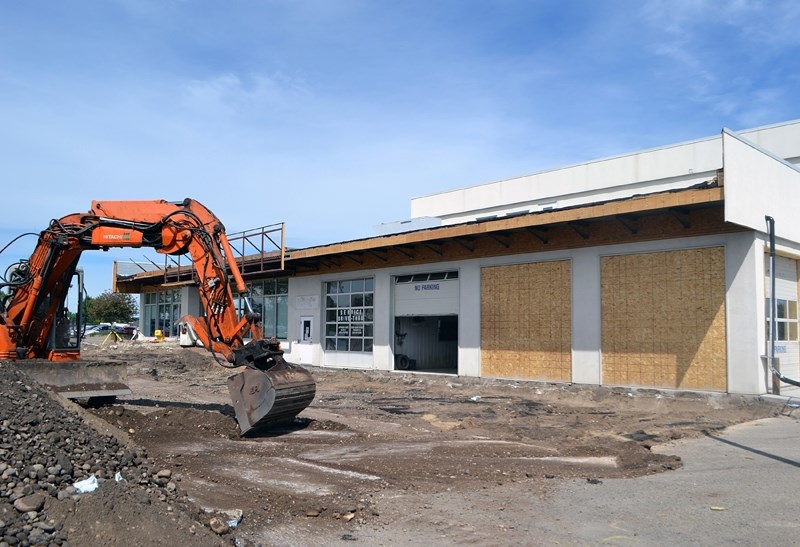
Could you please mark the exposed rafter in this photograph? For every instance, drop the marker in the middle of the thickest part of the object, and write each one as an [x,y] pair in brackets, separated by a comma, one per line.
[403,251]
[580,227]
[631,222]
[383,257]
[682,216]
[435,248]
[500,239]
[538,233]
[465,242]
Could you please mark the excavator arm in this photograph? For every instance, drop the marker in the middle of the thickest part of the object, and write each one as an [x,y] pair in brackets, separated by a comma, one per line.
[38,287]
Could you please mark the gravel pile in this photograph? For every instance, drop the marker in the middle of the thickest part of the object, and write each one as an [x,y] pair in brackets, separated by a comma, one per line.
[45,449]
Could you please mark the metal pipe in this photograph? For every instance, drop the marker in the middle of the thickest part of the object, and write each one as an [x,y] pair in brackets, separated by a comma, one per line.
[773,305]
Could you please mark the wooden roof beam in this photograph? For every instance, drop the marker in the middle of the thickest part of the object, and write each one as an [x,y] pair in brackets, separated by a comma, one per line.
[402,251]
[538,233]
[465,242]
[631,222]
[682,216]
[436,249]
[382,257]
[500,239]
[580,228]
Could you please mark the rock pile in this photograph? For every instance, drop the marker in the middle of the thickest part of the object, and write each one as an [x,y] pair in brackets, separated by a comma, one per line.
[45,449]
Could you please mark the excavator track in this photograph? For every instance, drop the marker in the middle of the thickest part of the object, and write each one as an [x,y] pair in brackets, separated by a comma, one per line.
[263,398]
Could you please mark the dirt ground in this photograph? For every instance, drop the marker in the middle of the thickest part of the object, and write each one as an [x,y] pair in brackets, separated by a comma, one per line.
[398,458]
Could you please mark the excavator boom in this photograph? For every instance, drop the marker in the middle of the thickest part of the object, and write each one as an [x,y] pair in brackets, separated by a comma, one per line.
[32,311]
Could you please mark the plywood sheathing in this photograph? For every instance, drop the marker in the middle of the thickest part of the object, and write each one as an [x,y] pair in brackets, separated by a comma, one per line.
[663,319]
[526,321]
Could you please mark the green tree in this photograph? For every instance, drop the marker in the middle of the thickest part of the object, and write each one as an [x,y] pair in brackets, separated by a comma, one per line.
[110,307]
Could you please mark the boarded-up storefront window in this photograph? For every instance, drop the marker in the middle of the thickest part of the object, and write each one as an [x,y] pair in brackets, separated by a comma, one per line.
[526,321]
[663,319]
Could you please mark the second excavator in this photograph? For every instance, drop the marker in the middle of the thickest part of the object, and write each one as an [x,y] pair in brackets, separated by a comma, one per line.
[33,311]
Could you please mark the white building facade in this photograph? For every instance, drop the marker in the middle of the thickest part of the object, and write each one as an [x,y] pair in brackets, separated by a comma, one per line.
[644,270]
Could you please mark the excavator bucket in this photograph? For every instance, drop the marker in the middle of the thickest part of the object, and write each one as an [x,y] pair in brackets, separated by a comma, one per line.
[79,379]
[263,398]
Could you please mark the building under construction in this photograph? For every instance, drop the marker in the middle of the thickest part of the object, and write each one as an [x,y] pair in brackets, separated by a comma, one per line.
[648,269]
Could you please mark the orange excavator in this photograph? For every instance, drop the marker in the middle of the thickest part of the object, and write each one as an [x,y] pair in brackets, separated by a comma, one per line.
[34,318]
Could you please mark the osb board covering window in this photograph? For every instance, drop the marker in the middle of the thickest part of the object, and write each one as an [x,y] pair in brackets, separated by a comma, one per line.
[664,319]
[526,321]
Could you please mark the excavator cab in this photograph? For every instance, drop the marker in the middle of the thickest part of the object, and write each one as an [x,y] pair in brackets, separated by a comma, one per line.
[97,382]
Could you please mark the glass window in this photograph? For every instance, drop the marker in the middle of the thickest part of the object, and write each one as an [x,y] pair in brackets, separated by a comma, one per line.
[785,319]
[421,278]
[349,315]
[275,305]
[256,288]
[282,320]
[269,319]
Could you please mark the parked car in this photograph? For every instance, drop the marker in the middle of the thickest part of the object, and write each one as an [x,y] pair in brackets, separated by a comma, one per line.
[102,328]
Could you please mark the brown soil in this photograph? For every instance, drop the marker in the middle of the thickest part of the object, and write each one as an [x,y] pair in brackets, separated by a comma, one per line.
[378,450]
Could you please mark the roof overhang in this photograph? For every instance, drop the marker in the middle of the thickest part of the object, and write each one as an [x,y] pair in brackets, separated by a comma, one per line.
[678,213]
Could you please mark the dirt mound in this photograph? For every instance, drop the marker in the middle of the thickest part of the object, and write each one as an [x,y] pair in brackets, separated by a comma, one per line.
[46,448]
[379,450]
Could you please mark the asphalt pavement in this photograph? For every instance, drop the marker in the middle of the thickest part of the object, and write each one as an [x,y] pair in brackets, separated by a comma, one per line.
[739,487]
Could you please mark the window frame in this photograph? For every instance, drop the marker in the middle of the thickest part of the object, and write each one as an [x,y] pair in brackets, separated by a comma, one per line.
[786,320]
[349,328]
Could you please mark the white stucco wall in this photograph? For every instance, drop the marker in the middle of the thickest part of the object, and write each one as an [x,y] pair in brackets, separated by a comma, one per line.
[758,183]
[744,305]
[744,277]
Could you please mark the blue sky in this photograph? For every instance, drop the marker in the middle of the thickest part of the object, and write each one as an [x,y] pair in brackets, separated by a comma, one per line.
[330,115]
